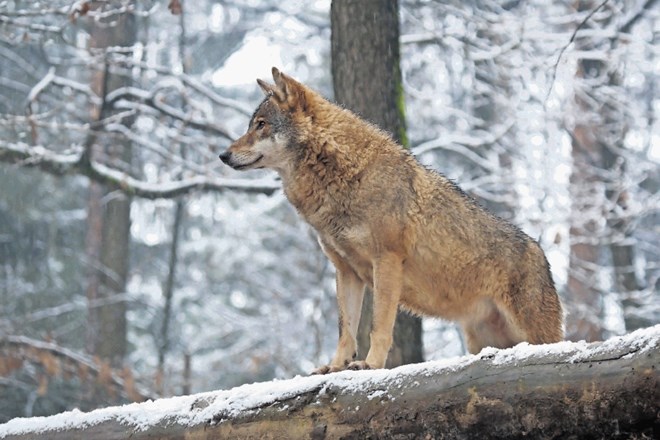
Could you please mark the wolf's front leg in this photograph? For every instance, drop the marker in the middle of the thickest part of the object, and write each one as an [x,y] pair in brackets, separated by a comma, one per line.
[350,292]
[388,283]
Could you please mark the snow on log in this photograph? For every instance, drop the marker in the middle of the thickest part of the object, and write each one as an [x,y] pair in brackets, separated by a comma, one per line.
[597,390]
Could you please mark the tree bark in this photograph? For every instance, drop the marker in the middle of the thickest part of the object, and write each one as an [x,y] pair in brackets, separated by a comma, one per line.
[585,302]
[367,79]
[567,390]
[108,212]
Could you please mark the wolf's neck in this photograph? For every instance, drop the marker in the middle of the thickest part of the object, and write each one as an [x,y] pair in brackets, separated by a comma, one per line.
[314,185]
[338,148]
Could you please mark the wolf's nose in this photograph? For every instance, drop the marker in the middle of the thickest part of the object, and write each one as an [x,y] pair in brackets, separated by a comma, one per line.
[225,156]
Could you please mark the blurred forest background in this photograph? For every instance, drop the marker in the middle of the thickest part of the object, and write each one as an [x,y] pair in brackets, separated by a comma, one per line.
[134,265]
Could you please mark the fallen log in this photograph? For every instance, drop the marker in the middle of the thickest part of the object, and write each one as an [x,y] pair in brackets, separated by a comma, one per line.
[577,390]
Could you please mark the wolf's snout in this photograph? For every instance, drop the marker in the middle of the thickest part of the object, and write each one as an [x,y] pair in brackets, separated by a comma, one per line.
[225,157]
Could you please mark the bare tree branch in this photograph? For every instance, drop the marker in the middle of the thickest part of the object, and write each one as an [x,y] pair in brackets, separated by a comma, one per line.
[563,49]
[630,21]
[61,164]
[465,145]
[155,100]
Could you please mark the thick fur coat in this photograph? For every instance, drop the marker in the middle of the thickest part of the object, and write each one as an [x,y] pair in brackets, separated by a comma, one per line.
[387,222]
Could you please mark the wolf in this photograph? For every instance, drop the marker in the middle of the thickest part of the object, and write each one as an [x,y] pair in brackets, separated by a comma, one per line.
[387,222]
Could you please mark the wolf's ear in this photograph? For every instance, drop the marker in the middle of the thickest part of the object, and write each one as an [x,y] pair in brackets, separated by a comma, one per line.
[279,77]
[271,90]
[287,90]
[267,88]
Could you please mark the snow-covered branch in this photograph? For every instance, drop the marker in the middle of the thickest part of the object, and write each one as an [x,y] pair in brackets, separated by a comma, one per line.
[465,144]
[118,99]
[73,163]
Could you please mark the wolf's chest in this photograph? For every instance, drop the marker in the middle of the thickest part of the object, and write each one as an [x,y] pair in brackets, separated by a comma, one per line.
[354,246]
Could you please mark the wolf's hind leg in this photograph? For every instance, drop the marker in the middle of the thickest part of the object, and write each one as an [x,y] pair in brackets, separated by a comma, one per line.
[522,315]
[489,326]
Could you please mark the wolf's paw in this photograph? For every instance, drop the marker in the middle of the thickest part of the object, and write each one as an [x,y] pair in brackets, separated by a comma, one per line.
[326,369]
[359,365]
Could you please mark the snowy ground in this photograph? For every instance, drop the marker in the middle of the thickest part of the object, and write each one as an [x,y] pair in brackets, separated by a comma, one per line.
[200,408]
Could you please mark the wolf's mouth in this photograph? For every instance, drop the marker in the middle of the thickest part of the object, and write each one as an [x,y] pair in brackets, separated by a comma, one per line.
[246,165]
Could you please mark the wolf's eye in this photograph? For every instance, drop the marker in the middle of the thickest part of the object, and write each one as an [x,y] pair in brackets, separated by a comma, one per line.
[260,124]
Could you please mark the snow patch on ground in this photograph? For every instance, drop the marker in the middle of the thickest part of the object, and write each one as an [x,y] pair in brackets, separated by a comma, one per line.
[203,407]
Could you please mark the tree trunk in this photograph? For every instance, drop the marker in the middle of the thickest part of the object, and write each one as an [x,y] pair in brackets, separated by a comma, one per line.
[177,228]
[598,189]
[168,293]
[566,390]
[367,79]
[584,320]
[490,81]
[108,212]
[622,244]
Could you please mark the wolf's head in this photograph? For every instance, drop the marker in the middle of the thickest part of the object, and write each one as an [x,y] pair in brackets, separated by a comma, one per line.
[271,140]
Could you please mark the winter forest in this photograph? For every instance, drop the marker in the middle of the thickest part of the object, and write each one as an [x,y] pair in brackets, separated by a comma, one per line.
[135,265]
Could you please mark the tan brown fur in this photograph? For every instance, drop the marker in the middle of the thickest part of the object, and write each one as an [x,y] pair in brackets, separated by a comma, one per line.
[387,222]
